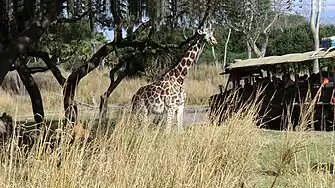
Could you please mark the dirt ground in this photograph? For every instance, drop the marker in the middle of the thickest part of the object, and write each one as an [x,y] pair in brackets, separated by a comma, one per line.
[192,115]
[196,115]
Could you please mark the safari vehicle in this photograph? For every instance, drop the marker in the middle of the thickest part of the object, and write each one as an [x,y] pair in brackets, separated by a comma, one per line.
[277,99]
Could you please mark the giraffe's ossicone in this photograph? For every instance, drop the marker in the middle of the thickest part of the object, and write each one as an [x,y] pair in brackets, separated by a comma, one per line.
[165,98]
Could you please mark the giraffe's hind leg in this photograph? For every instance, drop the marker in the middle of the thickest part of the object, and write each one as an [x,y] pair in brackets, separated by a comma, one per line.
[139,116]
[143,117]
[158,119]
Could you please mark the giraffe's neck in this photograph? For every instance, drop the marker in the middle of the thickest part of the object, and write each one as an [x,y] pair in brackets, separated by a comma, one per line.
[178,73]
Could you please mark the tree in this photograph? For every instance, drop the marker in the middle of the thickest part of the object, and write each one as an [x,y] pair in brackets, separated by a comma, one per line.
[17,38]
[254,19]
[288,40]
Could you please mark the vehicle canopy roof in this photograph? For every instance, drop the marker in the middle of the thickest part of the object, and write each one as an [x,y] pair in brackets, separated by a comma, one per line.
[256,63]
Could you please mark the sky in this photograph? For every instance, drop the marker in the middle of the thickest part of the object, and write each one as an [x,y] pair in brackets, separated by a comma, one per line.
[327,11]
[327,14]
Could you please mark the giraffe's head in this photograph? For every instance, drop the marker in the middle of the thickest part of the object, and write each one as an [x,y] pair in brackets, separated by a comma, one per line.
[207,33]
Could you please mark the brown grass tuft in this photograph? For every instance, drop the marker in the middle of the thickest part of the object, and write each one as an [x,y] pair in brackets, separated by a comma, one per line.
[79,132]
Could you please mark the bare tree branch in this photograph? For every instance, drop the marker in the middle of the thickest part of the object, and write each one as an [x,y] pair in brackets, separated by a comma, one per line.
[34,70]
[265,44]
[254,47]
[113,84]
[207,12]
[315,24]
[78,74]
[50,62]
[266,30]
[33,91]
[253,22]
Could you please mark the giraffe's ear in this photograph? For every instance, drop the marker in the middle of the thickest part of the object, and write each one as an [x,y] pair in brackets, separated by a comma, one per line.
[199,31]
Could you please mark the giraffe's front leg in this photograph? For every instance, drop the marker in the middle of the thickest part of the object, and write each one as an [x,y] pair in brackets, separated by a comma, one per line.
[179,116]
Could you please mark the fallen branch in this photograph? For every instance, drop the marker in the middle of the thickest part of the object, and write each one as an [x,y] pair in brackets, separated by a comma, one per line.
[80,102]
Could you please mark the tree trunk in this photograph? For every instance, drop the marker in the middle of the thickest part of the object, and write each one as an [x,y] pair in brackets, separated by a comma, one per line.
[226,49]
[249,50]
[315,25]
[103,98]
[265,44]
[33,91]
[215,59]
[4,25]
[74,79]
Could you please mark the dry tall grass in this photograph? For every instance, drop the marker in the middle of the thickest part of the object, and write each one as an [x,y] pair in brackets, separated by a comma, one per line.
[128,156]
[200,84]
[237,154]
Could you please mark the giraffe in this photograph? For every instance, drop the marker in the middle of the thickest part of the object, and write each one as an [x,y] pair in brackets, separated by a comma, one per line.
[166,96]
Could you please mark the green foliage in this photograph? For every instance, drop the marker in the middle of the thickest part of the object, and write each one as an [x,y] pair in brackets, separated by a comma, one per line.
[327,31]
[237,46]
[71,41]
[290,40]
[153,63]
[75,40]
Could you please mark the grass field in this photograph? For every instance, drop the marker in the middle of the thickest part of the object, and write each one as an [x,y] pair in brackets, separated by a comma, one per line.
[238,154]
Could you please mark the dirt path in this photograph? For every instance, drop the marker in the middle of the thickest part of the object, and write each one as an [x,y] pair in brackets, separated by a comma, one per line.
[192,115]
[196,115]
